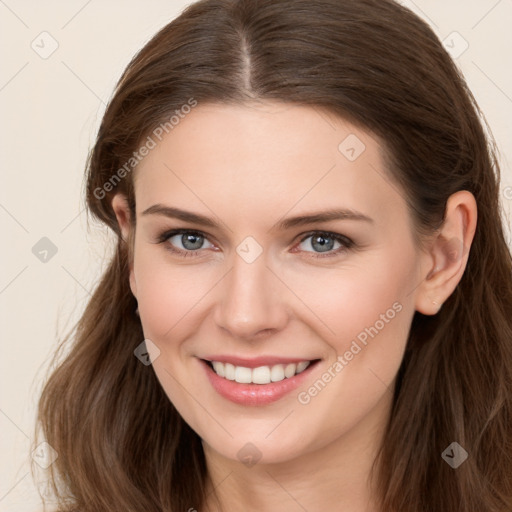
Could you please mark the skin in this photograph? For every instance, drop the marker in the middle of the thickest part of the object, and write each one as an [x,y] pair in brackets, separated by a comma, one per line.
[248,167]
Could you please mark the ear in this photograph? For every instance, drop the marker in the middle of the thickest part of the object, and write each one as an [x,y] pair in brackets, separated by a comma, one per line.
[121,209]
[448,253]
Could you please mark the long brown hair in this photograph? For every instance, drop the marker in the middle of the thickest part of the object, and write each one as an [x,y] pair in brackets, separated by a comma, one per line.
[121,443]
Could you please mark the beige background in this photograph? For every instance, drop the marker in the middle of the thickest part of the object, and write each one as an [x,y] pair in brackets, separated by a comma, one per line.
[50,110]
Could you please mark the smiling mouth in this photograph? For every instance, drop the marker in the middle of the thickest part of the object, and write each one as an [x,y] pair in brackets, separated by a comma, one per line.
[261,374]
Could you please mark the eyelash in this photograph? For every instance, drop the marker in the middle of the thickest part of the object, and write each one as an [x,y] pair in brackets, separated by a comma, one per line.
[346,243]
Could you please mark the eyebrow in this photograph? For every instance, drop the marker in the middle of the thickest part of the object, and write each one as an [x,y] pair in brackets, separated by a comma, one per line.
[281,225]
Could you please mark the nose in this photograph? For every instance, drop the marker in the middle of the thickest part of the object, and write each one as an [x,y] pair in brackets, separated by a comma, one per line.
[252,301]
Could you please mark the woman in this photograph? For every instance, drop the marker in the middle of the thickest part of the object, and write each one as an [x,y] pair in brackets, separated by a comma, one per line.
[309,304]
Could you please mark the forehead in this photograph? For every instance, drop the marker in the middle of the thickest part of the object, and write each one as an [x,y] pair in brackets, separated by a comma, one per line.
[266,156]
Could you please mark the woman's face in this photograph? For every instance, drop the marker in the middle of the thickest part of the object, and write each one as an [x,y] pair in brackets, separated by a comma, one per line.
[296,248]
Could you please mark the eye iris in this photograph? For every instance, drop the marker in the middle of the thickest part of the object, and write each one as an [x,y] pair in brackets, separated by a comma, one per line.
[322,243]
[192,241]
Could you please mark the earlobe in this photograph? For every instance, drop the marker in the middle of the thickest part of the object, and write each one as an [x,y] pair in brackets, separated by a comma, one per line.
[448,254]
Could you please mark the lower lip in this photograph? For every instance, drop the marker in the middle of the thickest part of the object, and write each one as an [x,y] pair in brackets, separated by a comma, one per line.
[255,394]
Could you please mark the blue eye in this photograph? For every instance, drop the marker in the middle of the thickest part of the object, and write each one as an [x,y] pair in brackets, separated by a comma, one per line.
[317,243]
[325,242]
[184,241]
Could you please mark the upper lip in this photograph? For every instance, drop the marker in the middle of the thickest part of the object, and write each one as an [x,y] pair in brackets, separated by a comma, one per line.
[256,362]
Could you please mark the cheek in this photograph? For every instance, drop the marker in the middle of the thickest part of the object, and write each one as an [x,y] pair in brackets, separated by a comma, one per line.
[368,313]
[358,298]
[169,294]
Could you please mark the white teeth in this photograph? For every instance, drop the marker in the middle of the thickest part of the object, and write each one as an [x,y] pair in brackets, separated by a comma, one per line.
[277,373]
[229,371]
[243,375]
[289,370]
[302,366]
[260,375]
[219,368]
